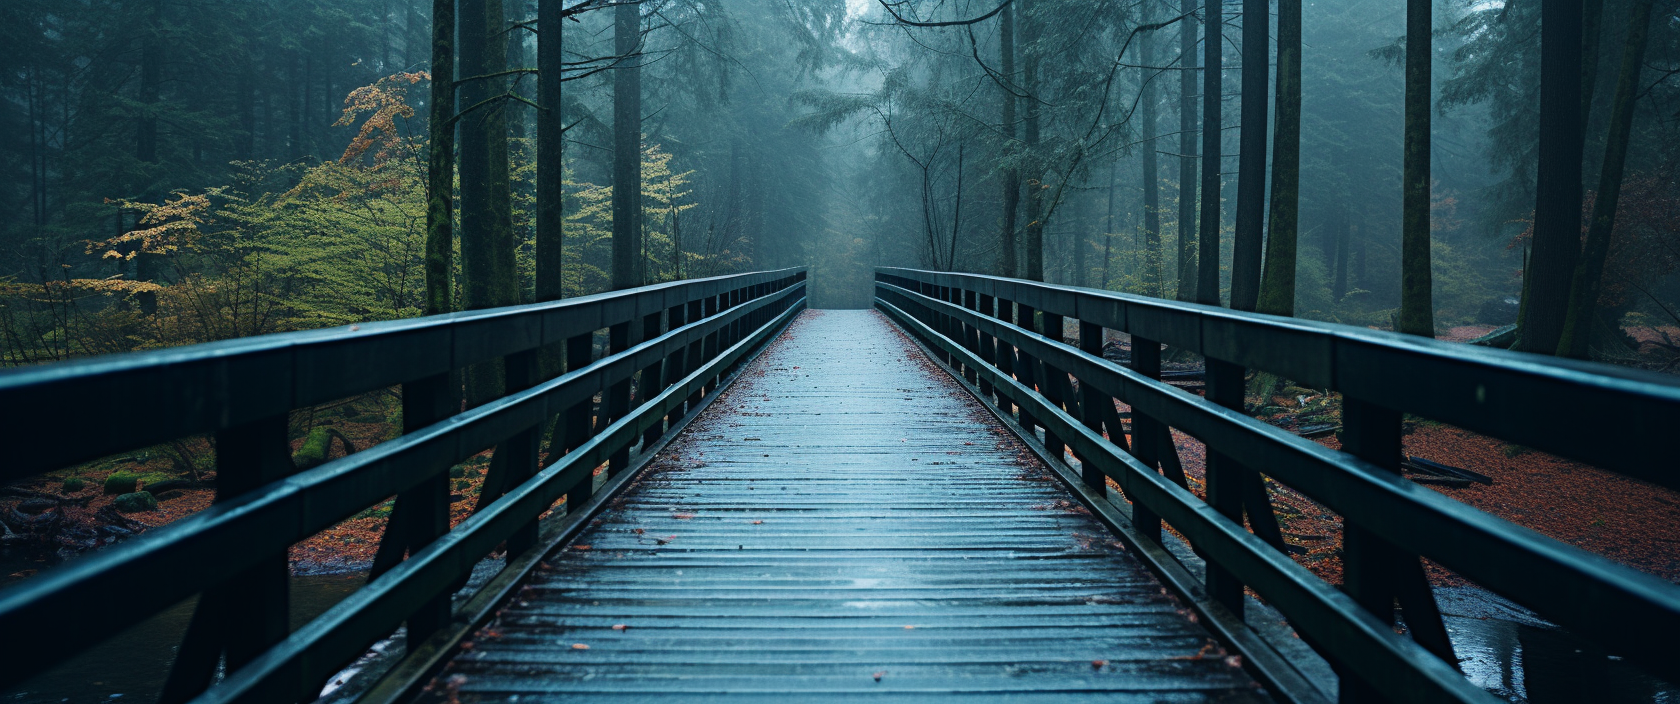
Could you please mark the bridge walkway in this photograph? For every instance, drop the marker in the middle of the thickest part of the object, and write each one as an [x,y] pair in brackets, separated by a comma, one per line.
[845,522]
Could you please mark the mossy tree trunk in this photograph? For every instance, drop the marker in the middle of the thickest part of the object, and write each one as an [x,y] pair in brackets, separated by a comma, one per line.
[1557,209]
[1035,172]
[1007,264]
[1187,150]
[1151,172]
[1589,275]
[1277,285]
[1417,301]
[440,161]
[551,122]
[627,260]
[1251,159]
[1207,242]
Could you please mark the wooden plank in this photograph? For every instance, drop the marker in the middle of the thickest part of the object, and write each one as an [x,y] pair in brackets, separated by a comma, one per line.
[841,512]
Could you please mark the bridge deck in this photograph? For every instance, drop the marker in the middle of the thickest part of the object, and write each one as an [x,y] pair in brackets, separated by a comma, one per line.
[844,523]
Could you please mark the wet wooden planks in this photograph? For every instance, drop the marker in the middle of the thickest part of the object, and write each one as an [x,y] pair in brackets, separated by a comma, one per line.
[844,524]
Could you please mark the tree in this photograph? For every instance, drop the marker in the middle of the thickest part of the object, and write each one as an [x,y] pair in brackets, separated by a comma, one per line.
[1557,192]
[1151,172]
[1029,36]
[1587,283]
[1187,153]
[1417,299]
[1251,159]
[551,170]
[487,250]
[1277,285]
[440,161]
[1207,242]
[628,265]
[1007,265]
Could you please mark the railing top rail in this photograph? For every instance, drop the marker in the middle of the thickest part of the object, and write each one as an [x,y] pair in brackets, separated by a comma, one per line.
[1510,395]
[217,385]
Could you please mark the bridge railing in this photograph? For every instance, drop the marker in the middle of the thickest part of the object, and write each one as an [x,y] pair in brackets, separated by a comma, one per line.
[1007,337]
[674,341]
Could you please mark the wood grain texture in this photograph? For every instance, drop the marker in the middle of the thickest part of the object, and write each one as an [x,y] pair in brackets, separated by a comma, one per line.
[845,523]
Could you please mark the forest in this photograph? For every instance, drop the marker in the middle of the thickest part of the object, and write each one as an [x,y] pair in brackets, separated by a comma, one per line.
[180,171]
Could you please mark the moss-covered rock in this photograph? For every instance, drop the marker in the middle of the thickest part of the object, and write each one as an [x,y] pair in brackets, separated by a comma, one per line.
[315,448]
[158,487]
[73,485]
[136,502]
[122,483]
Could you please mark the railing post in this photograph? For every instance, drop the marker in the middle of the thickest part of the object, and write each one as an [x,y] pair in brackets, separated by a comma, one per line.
[519,453]
[709,351]
[1098,410]
[696,347]
[970,336]
[1151,440]
[1026,365]
[580,352]
[1224,481]
[616,403]
[987,345]
[249,612]
[674,363]
[1005,353]
[652,380]
[1375,572]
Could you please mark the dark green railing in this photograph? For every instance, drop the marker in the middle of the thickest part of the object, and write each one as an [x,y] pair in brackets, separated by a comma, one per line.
[674,341]
[1006,337]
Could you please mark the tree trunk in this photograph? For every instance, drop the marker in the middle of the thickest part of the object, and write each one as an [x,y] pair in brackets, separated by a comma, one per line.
[1417,302]
[1277,286]
[1251,159]
[1584,290]
[1207,257]
[627,150]
[1592,18]
[1007,264]
[1035,173]
[1339,287]
[440,161]
[1151,174]
[1557,208]
[550,163]
[151,78]
[1186,150]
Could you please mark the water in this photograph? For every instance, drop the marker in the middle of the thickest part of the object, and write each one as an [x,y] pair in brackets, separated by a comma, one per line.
[132,666]
[1506,650]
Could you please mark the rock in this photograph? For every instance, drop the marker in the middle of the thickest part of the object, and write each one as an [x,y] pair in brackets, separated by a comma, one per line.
[35,506]
[136,502]
[1499,311]
[122,483]
[73,484]
[314,451]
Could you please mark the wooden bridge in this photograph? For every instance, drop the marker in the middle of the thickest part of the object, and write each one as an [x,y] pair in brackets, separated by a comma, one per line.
[936,499]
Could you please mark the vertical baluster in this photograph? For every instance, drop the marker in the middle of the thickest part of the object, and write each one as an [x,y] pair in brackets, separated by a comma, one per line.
[1051,385]
[971,336]
[675,368]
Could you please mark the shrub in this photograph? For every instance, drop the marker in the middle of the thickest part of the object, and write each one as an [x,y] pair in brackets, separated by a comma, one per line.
[136,502]
[73,484]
